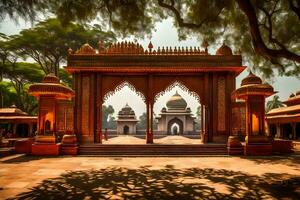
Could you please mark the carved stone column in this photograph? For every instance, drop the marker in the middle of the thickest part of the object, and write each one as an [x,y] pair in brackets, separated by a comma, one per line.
[99,102]
[149,105]
[202,122]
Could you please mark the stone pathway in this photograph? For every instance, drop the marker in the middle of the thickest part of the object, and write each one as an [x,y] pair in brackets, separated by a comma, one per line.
[174,139]
[67,177]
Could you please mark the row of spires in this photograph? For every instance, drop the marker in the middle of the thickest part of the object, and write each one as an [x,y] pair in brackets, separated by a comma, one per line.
[136,48]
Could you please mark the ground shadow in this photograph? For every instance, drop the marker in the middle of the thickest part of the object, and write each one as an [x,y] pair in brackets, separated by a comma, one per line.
[166,183]
[292,160]
[25,158]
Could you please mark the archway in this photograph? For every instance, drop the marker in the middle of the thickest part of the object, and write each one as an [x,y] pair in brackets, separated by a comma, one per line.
[177,105]
[47,126]
[175,122]
[125,130]
[129,107]
[22,130]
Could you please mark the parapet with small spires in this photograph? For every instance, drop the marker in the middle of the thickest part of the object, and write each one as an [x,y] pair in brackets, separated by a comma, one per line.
[127,48]
[133,57]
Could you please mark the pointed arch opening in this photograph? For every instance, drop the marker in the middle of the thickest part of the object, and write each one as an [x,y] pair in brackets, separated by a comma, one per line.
[123,109]
[178,112]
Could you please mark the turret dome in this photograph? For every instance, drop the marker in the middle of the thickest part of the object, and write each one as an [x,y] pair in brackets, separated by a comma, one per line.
[251,79]
[176,102]
[224,50]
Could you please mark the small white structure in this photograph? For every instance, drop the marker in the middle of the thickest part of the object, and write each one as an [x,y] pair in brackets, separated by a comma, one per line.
[126,122]
[177,118]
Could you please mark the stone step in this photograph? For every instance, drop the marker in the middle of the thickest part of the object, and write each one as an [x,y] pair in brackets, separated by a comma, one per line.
[153,149]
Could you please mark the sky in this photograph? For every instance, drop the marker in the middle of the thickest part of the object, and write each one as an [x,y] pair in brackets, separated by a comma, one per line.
[164,35]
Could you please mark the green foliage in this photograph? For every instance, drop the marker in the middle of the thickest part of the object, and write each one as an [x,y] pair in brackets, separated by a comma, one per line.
[142,123]
[108,120]
[15,91]
[274,103]
[273,48]
[48,41]
[65,77]
[9,94]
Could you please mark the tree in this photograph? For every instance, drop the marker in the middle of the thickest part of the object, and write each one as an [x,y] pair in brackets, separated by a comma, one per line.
[274,103]
[271,26]
[47,43]
[142,123]
[107,115]
[5,55]
[21,75]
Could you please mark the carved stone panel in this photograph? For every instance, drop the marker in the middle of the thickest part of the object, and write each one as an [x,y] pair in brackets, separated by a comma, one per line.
[85,104]
[221,104]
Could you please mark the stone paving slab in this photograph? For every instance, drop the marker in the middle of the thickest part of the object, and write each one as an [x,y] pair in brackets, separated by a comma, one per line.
[78,177]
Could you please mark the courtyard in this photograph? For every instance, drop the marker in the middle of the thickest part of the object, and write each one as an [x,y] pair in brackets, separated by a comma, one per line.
[67,177]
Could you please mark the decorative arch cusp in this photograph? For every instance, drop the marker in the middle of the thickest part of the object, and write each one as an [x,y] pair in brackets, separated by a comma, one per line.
[120,85]
[182,86]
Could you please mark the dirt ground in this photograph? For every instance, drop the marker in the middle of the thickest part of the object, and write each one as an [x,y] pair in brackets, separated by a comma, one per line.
[67,177]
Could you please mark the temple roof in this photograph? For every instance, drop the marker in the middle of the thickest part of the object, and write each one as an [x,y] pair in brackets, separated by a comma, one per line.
[12,111]
[251,79]
[285,110]
[50,85]
[126,113]
[294,99]
[287,114]
[252,85]
[176,102]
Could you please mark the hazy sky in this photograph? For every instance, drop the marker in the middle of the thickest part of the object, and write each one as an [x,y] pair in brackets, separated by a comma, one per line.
[165,35]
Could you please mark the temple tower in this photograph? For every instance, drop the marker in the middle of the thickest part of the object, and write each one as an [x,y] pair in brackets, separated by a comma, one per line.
[254,92]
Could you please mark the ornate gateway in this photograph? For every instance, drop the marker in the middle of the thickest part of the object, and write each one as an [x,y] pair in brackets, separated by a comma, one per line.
[100,72]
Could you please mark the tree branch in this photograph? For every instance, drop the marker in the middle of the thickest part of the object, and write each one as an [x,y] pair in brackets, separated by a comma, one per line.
[180,20]
[295,8]
[257,41]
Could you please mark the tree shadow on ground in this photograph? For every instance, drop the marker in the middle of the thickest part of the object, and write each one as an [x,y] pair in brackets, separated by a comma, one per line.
[292,160]
[166,183]
[25,158]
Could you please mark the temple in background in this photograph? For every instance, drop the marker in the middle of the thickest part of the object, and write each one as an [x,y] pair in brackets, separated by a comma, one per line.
[126,122]
[284,122]
[177,118]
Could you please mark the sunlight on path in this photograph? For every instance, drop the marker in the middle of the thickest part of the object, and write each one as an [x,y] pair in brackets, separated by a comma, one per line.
[128,139]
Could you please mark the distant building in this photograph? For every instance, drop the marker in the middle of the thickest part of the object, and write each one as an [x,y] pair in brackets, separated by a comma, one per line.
[284,122]
[177,118]
[17,123]
[126,122]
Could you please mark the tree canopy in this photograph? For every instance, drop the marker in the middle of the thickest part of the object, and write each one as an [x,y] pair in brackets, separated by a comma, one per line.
[265,32]
[48,41]
[18,76]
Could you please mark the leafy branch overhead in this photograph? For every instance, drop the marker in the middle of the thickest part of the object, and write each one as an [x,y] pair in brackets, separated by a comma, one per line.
[266,32]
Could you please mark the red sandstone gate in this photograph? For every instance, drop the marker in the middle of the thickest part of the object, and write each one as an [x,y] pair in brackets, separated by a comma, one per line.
[210,78]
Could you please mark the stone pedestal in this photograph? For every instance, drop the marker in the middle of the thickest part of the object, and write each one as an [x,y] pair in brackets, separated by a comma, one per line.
[234,146]
[23,146]
[45,149]
[282,146]
[45,145]
[257,145]
[69,145]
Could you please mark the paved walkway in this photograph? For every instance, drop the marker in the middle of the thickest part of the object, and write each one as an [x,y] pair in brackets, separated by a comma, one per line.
[66,177]
[174,139]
